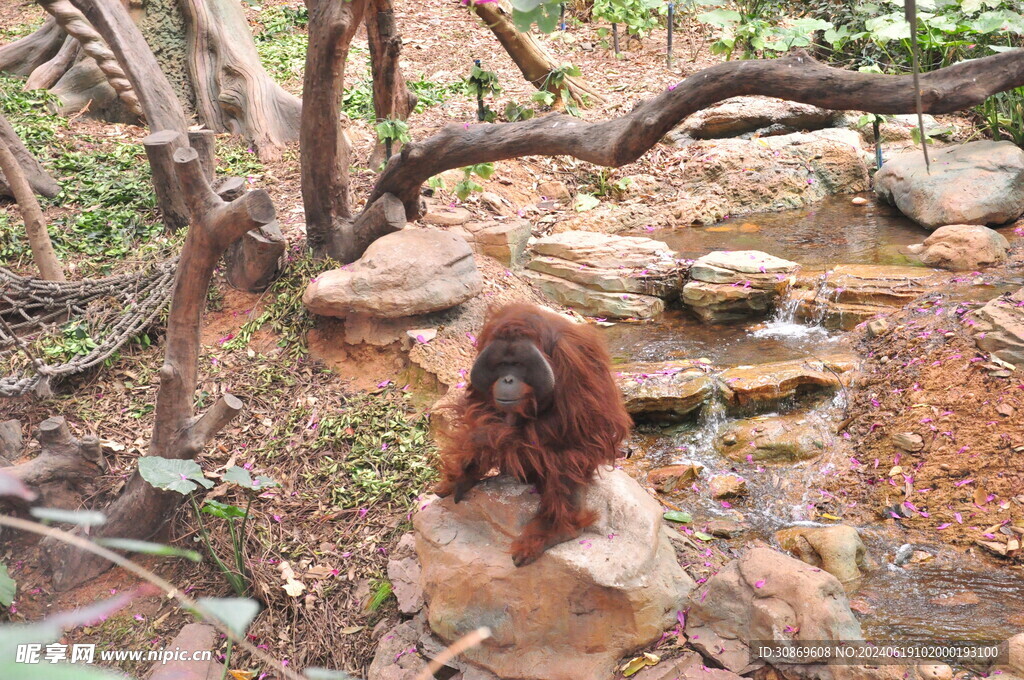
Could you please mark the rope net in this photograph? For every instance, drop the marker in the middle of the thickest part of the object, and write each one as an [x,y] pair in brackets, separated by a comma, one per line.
[113,310]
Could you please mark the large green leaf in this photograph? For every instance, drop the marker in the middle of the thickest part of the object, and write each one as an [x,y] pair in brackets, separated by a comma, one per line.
[85,518]
[234,612]
[8,587]
[148,548]
[183,476]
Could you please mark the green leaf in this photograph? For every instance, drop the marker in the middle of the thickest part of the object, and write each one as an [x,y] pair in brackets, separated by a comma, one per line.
[722,18]
[543,97]
[239,475]
[182,476]
[585,202]
[222,510]
[483,170]
[85,518]
[703,536]
[234,612]
[326,674]
[148,548]
[56,671]
[678,516]
[8,587]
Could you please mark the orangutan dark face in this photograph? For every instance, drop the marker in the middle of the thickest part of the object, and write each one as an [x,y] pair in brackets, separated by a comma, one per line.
[513,373]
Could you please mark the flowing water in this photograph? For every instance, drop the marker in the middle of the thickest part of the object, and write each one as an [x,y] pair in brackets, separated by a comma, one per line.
[945,599]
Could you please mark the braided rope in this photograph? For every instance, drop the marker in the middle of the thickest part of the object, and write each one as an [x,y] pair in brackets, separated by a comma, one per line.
[119,308]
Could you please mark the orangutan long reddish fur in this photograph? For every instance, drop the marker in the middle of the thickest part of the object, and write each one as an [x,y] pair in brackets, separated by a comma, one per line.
[557,449]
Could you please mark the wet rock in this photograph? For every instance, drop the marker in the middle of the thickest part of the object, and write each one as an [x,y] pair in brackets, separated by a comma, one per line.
[404,574]
[975,183]
[728,286]
[667,389]
[408,272]
[624,272]
[911,442]
[671,477]
[999,327]
[504,241]
[575,611]
[689,666]
[729,485]
[739,115]
[757,597]
[851,294]
[724,528]
[774,439]
[768,174]
[447,217]
[837,549]
[10,441]
[962,247]
[768,384]
[194,638]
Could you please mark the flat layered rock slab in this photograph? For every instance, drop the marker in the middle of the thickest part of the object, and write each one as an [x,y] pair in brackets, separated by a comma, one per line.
[770,383]
[667,388]
[774,439]
[594,302]
[734,285]
[999,327]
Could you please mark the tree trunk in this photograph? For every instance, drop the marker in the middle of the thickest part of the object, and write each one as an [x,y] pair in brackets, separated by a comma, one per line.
[253,261]
[613,143]
[141,510]
[532,59]
[37,177]
[392,99]
[35,228]
[76,25]
[233,92]
[324,149]
[23,56]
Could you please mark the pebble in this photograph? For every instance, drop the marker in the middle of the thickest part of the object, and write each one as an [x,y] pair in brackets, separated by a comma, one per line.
[859,200]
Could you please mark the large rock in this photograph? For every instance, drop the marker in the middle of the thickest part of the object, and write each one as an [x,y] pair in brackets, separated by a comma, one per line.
[739,115]
[975,183]
[837,549]
[505,241]
[734,285]
[774,439]
[851,294]
[194,640]
[766,595]
[962,247]
[689,666]
[999,327]
[629,275]
[730,177]
[408,272]
[672,389]
[766,385]
[571,614]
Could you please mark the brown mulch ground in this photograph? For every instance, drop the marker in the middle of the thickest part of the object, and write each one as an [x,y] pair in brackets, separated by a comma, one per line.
[926,376]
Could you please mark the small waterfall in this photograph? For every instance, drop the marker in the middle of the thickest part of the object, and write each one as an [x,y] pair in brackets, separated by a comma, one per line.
[709,423]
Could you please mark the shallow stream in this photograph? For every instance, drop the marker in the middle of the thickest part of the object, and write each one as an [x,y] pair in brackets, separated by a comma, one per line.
[945,599]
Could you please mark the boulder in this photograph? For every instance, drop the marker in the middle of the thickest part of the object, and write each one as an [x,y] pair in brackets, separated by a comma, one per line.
[1015,654]
[447,217]
[999,327]
[397,657]
[975,183]
[896,131]
[575,611]
[837,549]
[774,439]
[738,115]
[764,595]
[10,441]
[733,285]
[962,247]
[623,272]
[766,385]
[406,273]
[666,389]
[730,177]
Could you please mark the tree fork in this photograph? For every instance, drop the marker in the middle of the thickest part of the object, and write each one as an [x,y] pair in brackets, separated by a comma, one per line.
[141,510]
[615,142]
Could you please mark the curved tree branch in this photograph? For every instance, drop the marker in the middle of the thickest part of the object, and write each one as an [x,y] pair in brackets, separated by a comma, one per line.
[616,142]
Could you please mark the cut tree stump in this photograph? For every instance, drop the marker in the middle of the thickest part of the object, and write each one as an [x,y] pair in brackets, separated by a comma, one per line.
[253,261]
